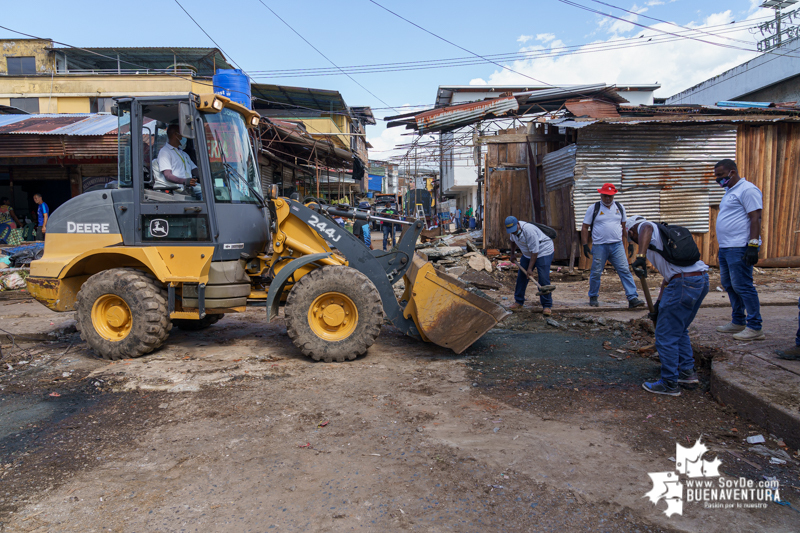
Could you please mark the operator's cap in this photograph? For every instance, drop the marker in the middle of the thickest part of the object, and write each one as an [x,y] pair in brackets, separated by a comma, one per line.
[608,188]
[511,224]
[633,220]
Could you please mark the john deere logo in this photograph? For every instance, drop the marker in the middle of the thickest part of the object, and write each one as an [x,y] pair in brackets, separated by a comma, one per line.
[159,227]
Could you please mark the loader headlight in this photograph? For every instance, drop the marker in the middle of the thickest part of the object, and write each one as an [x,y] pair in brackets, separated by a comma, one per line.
[254,120]
[273,191]
[217,104]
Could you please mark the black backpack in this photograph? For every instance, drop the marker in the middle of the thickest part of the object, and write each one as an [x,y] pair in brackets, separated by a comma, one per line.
[679,246]
[597,210]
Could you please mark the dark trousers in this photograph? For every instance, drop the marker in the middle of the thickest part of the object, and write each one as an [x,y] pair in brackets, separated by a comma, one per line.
[679,304]
[388,229]
[797,338]
[542,272]
[39,234]
[736,278]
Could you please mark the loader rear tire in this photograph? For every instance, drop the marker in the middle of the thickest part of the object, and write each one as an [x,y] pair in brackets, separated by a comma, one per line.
[351,323]
[196,325]
[122,313]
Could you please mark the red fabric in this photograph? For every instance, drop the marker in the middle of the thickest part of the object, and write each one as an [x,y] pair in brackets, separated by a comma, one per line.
[608,188]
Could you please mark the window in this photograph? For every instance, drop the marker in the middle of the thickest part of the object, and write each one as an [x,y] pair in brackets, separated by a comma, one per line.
[21,65]
[100,105]
[233,169]
[31,105]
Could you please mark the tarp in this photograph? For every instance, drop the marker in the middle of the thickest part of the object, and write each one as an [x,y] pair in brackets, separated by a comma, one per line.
[375,182]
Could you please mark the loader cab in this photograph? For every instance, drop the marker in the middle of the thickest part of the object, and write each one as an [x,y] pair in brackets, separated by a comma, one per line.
[224,208]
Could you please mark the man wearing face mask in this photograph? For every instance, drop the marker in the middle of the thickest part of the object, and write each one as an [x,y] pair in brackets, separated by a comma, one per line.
[537,252]
[738,235]
[606,219]
[176,165]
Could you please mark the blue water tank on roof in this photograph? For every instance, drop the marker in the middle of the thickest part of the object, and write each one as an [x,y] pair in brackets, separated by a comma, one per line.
[233,84]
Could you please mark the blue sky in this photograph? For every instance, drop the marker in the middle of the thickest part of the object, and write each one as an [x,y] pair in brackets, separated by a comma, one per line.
[357,32]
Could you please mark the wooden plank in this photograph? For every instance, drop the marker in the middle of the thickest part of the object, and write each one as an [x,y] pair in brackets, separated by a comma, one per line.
[768,175]
[518,138]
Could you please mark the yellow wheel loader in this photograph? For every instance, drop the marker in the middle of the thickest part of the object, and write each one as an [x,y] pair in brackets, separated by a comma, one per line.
[185,235]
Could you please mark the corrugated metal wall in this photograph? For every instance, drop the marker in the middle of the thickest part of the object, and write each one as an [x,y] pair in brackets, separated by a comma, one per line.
[559,167]
[644,160]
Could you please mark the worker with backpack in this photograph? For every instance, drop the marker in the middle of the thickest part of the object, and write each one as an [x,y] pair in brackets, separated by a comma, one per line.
[605,221]
[672,250]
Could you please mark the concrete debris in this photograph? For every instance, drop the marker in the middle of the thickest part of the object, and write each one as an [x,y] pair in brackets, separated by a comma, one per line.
[766,452]
[456,271]
[551,322]
[479,262]
[471,247]
[481,280]
[443,251]
[755,439]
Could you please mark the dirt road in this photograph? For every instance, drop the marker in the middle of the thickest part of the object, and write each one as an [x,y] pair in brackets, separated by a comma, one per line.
[533,429]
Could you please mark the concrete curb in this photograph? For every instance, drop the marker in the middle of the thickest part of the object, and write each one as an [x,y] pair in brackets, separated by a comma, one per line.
[730,387]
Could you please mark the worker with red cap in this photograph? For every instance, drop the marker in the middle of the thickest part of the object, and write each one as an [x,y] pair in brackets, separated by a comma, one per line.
[605,221]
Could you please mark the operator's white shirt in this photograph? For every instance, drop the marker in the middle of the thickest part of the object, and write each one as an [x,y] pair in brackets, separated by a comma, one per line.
[176,160]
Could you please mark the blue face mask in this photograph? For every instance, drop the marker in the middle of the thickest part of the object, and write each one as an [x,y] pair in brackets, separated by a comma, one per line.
[723,182]
[183,143]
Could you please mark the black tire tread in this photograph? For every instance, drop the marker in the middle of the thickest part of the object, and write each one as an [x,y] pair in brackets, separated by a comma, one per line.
[348,281]
[146,297]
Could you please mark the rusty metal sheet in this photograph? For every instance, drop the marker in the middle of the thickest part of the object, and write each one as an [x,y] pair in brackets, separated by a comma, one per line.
[687,208]
[453,116]
[559,167]
[81,124]
[642,160]
[591,107]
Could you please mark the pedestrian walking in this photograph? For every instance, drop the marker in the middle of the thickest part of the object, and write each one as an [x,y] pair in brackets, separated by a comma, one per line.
[682,291]
[43,213]
[605,221]
[537,252]
[388,227]
[738,236]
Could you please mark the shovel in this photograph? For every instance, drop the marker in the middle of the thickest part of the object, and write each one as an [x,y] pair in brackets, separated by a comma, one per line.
[543,289]
[643,280]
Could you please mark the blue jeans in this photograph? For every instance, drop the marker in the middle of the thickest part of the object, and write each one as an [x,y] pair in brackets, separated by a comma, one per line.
[542,273]
[615,253]
[797,337]
[737,279]
[387,230]
[677,308]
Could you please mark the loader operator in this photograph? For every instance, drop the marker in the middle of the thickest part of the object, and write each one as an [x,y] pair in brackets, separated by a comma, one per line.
[176,165]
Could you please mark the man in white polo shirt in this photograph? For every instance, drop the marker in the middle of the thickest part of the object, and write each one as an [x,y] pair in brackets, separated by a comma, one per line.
[738,235]
[682,291]
[606,220]
[176,165]
[537,252]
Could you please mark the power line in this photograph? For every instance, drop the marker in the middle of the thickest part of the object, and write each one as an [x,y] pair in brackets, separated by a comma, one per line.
[210,37]
[461,61]
[320,53]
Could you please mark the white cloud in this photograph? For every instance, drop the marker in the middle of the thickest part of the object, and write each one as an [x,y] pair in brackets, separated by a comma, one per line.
[652,3]
[478,81]
[545,37]
[675,64]
[617,26]
[524,38]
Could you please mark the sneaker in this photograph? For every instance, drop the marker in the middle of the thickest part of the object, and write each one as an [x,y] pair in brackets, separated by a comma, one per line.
[636,302]
[750,335]
[547,311]
[593,301]
[688,377]
[515,305]
[662,387]
[792,354]
[730,327]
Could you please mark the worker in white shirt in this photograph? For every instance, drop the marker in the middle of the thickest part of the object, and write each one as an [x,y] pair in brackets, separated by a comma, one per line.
[738,235]
[682,292]
[605,222]
[537,252]
[176,165]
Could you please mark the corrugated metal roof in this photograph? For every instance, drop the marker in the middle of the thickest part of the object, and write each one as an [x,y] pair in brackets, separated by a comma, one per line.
[668,162]
[278,96]
[64,124]
[559,167]
[451,117]
[579,123]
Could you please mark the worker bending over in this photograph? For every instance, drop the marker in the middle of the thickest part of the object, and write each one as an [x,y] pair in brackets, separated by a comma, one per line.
[682,291]
[537,251]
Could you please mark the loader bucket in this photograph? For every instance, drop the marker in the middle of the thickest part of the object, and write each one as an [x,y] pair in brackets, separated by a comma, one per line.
[445,312]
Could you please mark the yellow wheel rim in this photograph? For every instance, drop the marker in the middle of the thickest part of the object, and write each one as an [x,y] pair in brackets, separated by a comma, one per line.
[333,316]
[111,317]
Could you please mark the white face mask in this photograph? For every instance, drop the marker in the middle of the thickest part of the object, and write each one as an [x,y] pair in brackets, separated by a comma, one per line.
[182,144]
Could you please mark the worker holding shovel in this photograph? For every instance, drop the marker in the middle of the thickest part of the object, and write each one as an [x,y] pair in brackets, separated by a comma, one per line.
[537,252]
[682,291]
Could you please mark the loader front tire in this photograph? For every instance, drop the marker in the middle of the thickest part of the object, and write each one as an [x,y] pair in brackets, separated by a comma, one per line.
[122,313]
[334,313]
